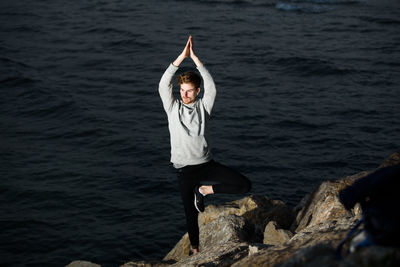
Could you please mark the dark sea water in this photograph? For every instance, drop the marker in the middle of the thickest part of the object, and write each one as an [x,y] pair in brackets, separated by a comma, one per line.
[308,90]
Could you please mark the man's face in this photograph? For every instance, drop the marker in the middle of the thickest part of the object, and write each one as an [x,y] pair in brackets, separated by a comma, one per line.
[188,93]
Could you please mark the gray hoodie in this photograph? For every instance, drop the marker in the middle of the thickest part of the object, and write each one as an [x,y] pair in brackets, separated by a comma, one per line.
[188,124]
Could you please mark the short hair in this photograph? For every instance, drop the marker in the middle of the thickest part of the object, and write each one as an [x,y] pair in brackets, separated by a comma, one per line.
[190,77]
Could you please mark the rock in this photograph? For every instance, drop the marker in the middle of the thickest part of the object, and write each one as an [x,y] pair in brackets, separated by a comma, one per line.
[225,229]
[328,234]
[230,228]
[394,159]
[256,210]
[180,251]
[231,234]
[332,232]
[256,247]
[265,257]
[275,236]
[321,224]
[222,255]
[82,264]
[312,256]
[147,264]
[253,250]
[323,204]
[238,221]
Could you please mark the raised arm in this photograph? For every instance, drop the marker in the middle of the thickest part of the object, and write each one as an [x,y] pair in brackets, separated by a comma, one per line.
[210,91]
[165,85]
[165,88]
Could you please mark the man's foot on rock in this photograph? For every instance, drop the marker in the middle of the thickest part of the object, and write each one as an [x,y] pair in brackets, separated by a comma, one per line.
[193,251]
[198,199]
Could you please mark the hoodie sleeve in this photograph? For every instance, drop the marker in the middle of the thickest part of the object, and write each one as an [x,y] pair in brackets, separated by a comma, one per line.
[210,91]
[165,88]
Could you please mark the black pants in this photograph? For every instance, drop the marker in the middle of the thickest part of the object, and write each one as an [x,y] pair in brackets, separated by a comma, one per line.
[224,180]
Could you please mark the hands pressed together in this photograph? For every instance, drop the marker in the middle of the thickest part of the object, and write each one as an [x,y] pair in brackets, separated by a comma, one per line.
[188,51]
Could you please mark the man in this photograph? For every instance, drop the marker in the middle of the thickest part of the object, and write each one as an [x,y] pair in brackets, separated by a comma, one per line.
[190,148]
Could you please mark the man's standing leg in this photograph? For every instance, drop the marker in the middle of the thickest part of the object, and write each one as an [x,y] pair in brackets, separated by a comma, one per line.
[187,182]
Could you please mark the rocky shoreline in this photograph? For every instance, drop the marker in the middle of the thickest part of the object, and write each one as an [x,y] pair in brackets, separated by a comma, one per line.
[258,231]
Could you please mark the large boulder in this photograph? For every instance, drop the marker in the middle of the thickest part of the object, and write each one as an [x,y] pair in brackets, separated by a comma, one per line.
[257,210]
[275,236]
[219,239]
[222,255]
[180,251]
[242,220]
[323,204]
[322,237]
[229,228]
[321,224]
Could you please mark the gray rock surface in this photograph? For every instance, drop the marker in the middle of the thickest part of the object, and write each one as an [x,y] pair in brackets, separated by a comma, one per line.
[240,220]
[275,236]
[323,204]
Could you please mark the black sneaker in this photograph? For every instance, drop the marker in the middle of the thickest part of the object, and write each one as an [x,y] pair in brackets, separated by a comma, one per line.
[198,199]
